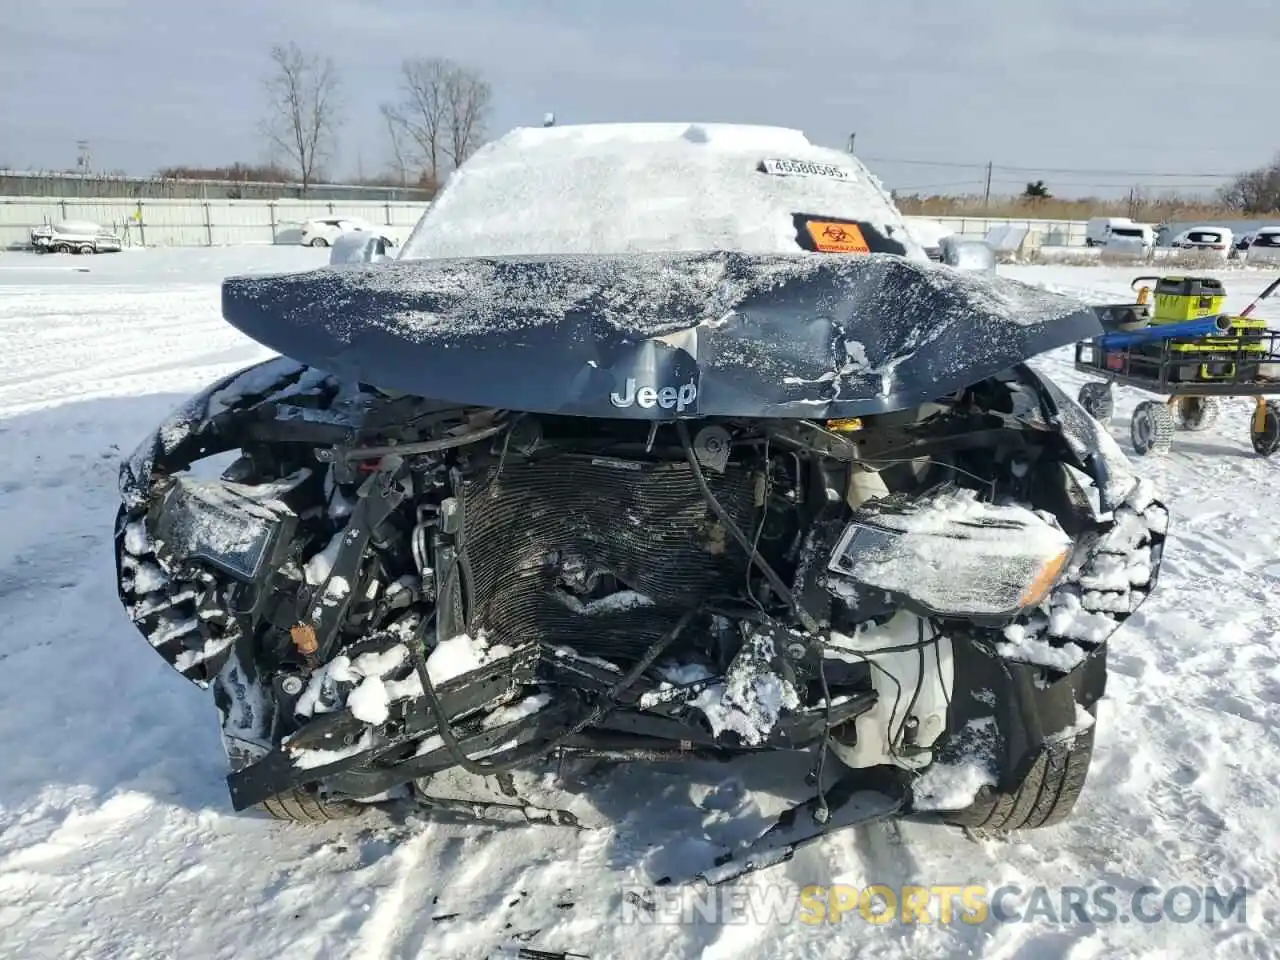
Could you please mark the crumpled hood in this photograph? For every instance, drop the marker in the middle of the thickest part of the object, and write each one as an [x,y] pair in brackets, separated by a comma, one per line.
[659,336]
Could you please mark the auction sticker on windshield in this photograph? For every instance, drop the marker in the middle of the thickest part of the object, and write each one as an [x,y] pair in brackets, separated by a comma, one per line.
[831,237]
[803,168]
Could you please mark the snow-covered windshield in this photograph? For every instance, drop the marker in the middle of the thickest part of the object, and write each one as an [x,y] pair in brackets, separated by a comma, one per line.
[632,188]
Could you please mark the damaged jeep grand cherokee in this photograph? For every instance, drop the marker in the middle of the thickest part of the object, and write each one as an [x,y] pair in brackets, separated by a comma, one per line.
[648,446]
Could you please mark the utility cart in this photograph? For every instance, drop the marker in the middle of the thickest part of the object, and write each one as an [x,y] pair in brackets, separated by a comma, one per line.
[1183,347]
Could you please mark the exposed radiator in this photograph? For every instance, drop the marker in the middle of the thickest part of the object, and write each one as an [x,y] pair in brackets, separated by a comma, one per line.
[532,526]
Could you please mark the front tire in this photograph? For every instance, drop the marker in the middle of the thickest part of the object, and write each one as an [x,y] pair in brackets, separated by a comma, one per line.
[298,806]
[1046,796]
[319,242]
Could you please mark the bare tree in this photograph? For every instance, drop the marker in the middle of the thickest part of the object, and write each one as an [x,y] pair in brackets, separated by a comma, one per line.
[421,113]
[394,128]
[303,115]
[441,113]
[1257,191]
[467,97]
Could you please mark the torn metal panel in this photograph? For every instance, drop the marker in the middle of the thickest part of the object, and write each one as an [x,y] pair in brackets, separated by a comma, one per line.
[659,336]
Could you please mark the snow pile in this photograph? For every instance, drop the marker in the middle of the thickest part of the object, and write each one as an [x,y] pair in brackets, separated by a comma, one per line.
[461,654]
[1084,722]
[752,696]
[366,671]
[141,575]
[1099,591]
[1029,642]
[953,783]
[320,565]
[748,701]
[374,692]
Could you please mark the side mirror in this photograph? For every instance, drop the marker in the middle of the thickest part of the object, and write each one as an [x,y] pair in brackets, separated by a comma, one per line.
[968,254]
[358,246]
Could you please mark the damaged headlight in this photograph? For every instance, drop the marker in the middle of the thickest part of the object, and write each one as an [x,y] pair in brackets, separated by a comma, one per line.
[952,555]
[233,527]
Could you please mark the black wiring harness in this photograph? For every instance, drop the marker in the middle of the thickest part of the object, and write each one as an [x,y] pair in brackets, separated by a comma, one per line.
[609,700]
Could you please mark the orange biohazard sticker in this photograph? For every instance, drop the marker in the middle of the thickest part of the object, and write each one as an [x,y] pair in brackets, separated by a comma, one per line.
[829,237]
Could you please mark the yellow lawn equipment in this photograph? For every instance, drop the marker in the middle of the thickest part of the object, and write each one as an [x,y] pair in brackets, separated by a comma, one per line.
[1177,341]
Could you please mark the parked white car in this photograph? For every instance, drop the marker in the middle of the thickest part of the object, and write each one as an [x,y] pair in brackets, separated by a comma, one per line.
[360,246]
[1205,239]
[1135,238]
[74,236]
[322,231]
[966,253]
[1265,247]
[929,234]
[1098,229]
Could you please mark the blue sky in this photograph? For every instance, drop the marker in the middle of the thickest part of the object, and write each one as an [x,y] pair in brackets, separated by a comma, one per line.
[1129,87]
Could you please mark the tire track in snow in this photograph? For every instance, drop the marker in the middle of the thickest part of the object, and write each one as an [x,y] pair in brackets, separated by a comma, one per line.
[379,936]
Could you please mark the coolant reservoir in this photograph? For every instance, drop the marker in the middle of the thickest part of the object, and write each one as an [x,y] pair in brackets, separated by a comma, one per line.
[864,485]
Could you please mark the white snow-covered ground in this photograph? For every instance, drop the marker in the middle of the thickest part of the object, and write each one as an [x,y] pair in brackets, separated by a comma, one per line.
[116,835]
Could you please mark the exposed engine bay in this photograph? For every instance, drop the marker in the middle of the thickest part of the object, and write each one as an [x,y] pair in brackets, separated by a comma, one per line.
[381,588]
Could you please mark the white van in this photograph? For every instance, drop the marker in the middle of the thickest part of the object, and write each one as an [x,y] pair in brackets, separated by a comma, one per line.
[1135,238]
[1265,247]
[1099,228]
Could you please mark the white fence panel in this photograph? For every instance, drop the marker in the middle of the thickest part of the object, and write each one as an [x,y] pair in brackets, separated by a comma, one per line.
[197,223]
[203,223]
[1046,233]
[405,214]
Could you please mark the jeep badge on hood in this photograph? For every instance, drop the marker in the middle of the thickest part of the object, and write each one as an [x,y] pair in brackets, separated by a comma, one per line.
[667,397]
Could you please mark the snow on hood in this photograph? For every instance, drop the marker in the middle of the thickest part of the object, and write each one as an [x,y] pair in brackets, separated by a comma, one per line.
[647,187]
[710,334]
[655,271]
